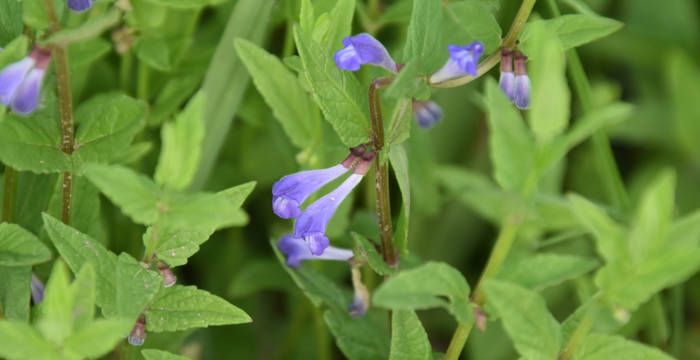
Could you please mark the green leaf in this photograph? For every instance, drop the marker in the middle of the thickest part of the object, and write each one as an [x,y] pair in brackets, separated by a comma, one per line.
[475,19]
[544,270]
[603,347]
[135,287]
[408,338]
[307,19]
[339,22]
[174,246]
[154,51]
[399,162]
[10,21]
[649,232]
[411,82]
[358,338]
[186,4]
[172,96]
[154,354]
[575,30]
[423,41]
[15,50]
[363,248]
[135,194]
[337,92]
[83,291]
[259,275]
[400,125]
[15,291]
[106,125]
[21,341]
[34,144]
[181,147]
[549,113]
[512,147]
[77,249]
[282,91]
[609,235]
[227,79]
[184,307]
[533,329]
[89,29]
[426,287]
[85,206]
[20,247]
[683,80]
[55,321]
[97,338]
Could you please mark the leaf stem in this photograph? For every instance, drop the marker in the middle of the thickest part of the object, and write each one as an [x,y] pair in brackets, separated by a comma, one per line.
[8,196]
[492,60]
[579,334]
[65,104]
[602,152]
[381,172]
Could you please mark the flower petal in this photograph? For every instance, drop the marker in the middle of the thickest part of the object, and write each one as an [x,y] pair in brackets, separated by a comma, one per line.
[11,77]
[291,191]
[363,49]
[26,97]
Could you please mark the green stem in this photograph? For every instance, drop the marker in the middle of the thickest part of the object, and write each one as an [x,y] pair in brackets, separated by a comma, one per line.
[381,172]
[602,152]
[65,105]
[677,316]
[493,59]
[505,240]
[8,197]
[125,71]
[579,334]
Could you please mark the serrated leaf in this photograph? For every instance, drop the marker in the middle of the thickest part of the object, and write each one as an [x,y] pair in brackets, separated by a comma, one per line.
[55,320]
[155,354]
[408,338]
[15,291]
[97,338]
[77,249]
[476,21]
[400,124]
[411,82]
[426,287]
[544,270]
[358,338]
[19,247]
[574,30]
[179,156]
[649,232]
[422,40]
[135,194]
[533,329]
[339,25]
[511,146]
[174,246]
[21,341]
[399,162]
[184,307]
[83,291]
[365,249]
[135,287]
[604,347]
[337,92]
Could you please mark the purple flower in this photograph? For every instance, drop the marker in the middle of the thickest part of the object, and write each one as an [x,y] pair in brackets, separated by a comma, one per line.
[507,80]
[521,97]
[291,191]
[20,82]
[426,113]
[37,289]
[363,49]
[79,5]
[358,307]
[297,250]
[463,60]
[311,225]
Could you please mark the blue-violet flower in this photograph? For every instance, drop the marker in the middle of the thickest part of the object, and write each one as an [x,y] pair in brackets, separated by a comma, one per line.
[291,191]
[507,80]
[521,97]
[297,250]
[38,289]
[20,82]
[363,49]
[360,300]
[311,225]
[79,5]
[463,60]
[426,113]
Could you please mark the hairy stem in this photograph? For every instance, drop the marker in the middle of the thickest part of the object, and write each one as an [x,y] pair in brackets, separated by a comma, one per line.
[65,104]
[493,59]
[381,173]
[8,196]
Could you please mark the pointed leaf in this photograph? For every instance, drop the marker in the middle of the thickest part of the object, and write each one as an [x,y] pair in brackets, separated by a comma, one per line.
[97,338]
[20,247]
[408,338]
[155,354]
[544,270]
[603,347]
[423,40]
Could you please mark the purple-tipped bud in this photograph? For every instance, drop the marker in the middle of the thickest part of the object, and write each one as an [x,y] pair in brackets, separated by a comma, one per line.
[138,333]
[297,250]
[37,289]
[507,79]
[363,49]
[20,83]
[169,279]
[521,98]
[463,60]
[79,5]
[426,113]
[360,301]
[311,225]
[358,307]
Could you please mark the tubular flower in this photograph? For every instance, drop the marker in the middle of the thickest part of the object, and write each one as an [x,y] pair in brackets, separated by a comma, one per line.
[20,82]
[507,79]
[360,300]
[463,60]
[79,5]
[426,113]
[311,225]
[291,191]
[363,49]
[522,82]
[297,250]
